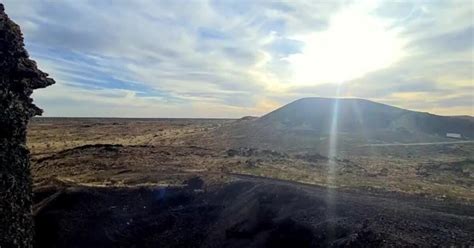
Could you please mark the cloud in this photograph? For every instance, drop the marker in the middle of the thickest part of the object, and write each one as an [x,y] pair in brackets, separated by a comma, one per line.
[456,41]
[230,58]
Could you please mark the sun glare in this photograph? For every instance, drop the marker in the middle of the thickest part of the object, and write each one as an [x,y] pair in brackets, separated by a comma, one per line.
[356,42]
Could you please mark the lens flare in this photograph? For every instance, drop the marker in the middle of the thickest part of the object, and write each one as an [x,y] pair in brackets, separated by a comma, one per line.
[331,167]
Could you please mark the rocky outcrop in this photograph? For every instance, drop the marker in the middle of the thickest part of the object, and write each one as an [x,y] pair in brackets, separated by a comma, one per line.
[19,76]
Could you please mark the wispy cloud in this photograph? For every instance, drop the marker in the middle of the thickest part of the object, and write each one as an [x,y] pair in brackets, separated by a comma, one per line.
[234,58]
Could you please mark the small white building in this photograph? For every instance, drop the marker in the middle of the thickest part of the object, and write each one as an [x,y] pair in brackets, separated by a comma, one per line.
[454,135]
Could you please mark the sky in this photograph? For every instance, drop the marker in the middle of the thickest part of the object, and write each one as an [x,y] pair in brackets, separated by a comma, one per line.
[209,58]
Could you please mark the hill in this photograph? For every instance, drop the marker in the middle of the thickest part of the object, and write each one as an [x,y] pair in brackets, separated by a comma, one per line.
[309,123]
[359,115]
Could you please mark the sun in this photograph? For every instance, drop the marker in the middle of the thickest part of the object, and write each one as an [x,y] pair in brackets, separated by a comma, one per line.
[356,42]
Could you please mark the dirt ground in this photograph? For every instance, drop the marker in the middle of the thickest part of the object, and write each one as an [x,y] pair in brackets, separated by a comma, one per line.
[248,212]
[174,183]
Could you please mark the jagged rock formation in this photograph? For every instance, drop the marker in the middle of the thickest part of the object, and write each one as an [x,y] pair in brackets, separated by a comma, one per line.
[19,76]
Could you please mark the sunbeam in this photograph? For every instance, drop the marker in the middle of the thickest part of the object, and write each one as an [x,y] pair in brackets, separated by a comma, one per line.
[331,168]
[332,152]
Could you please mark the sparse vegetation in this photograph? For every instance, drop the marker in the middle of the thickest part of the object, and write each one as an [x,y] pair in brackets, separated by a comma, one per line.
[139,156]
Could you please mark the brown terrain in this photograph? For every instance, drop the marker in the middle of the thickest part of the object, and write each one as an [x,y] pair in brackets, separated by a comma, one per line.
[182,183]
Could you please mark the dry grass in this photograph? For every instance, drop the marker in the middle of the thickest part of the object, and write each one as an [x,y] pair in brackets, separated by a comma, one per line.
[161,151]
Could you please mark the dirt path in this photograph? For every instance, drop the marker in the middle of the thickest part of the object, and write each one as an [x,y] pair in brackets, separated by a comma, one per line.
[389,200]
[422,143]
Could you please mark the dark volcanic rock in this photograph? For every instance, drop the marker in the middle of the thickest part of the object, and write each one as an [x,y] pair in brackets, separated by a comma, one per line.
[250,212]
[18,77]
[249,152]
[194,183]
[311,157]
